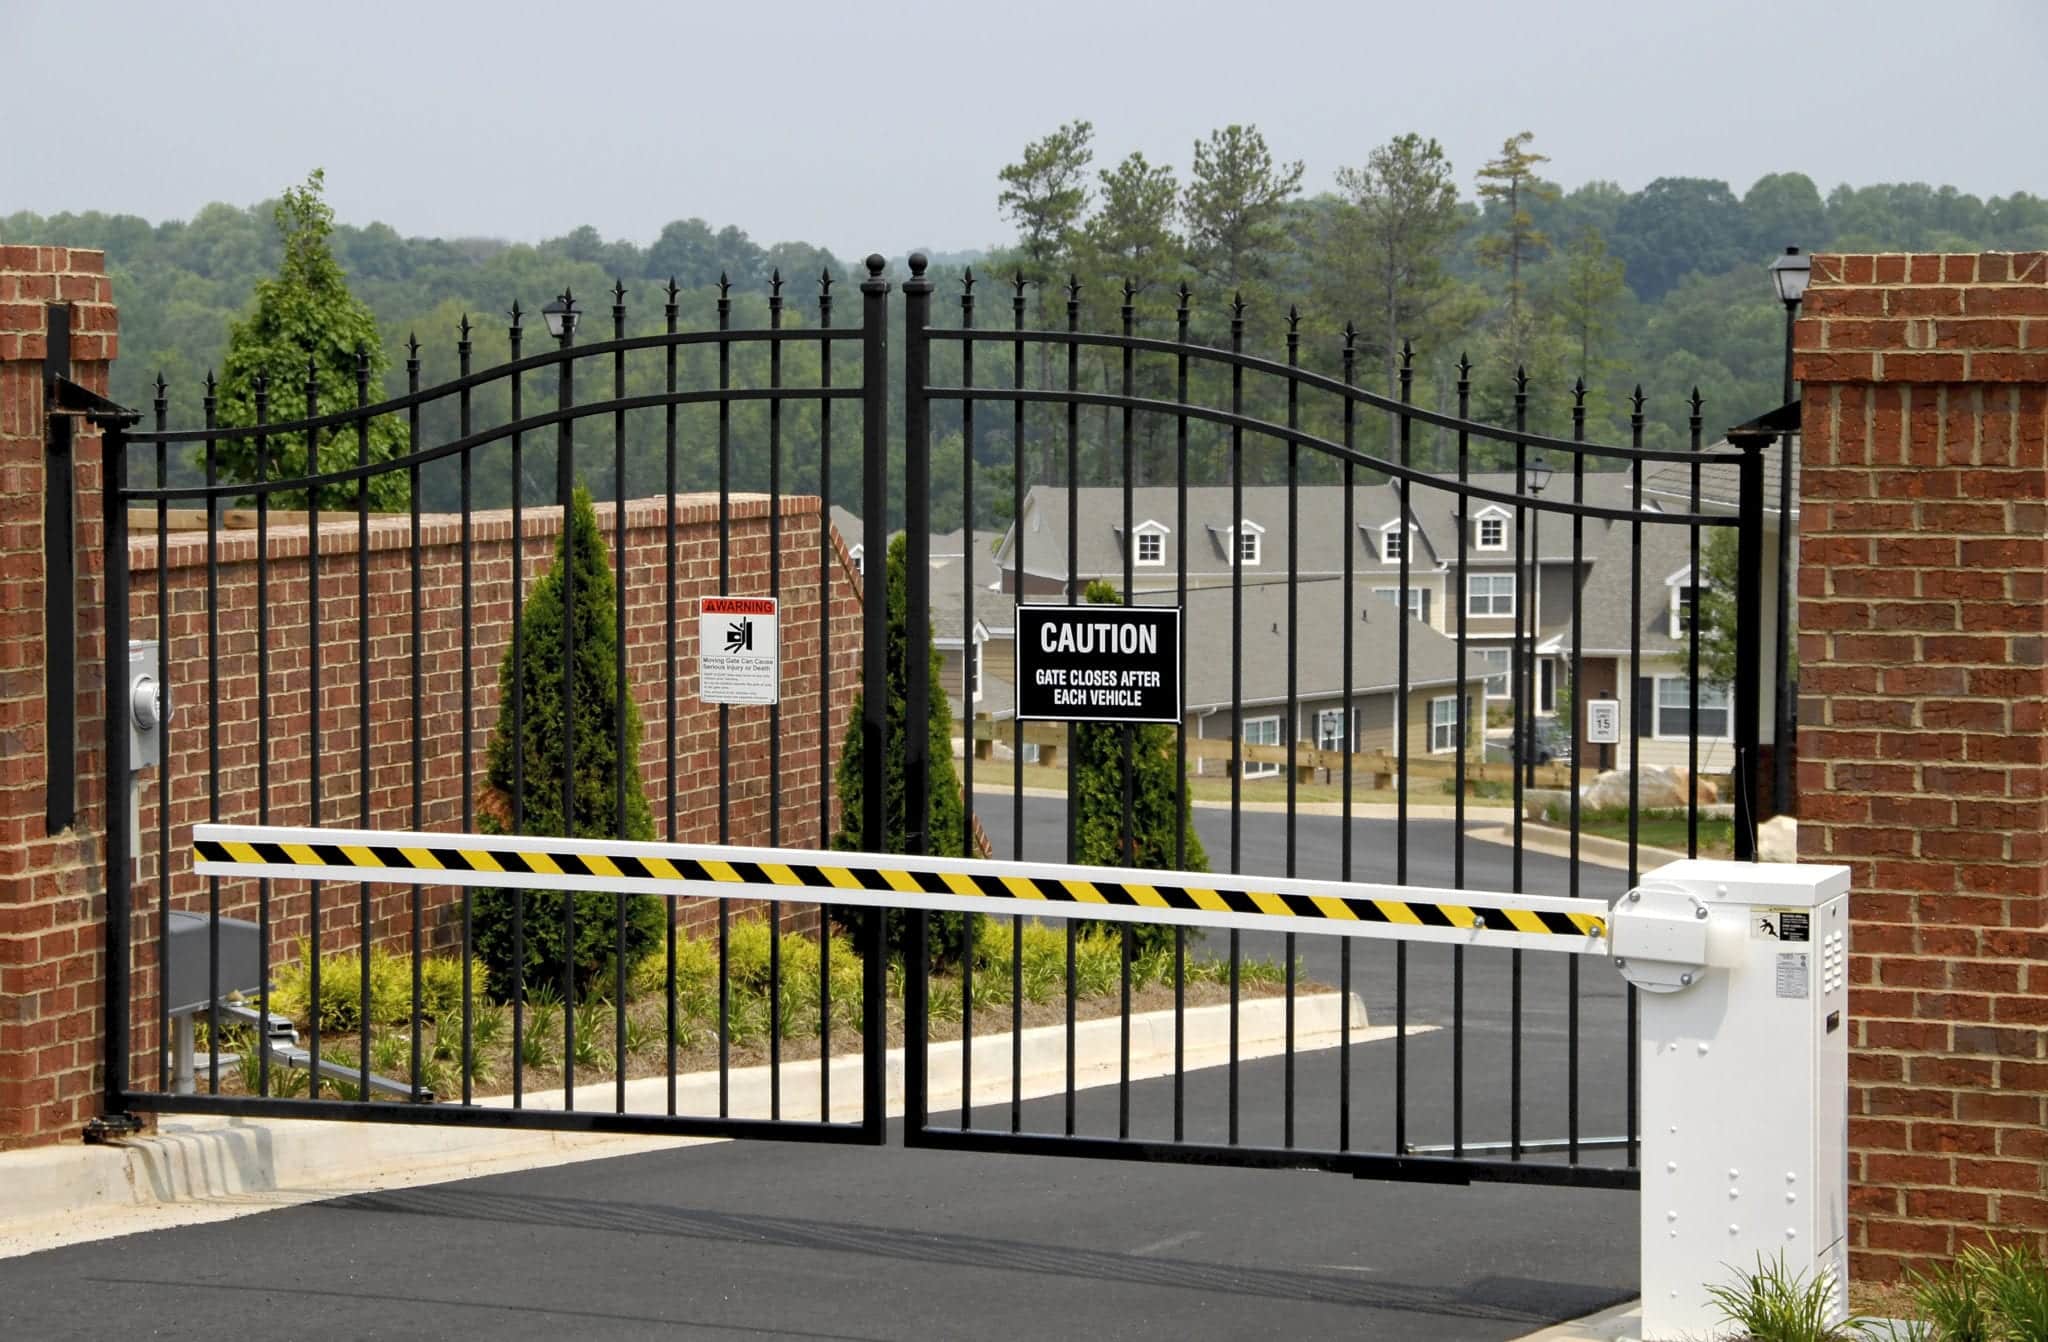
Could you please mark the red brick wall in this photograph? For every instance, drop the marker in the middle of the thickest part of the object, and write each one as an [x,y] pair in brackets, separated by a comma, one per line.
[50,890]
[1924,558]
[236,786]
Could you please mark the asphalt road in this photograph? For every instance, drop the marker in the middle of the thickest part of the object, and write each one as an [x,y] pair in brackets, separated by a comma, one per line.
[762,1240]
[765,1240]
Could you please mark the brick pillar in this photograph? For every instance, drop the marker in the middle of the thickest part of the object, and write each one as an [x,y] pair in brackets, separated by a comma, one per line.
[1923,569]
[51,885]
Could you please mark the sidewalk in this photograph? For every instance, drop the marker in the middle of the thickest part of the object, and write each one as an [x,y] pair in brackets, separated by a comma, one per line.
[1609,1325]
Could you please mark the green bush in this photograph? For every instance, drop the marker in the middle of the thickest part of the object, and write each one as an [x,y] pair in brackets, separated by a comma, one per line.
[600,714]
[1778,1304]
[945,814]
[341,1000]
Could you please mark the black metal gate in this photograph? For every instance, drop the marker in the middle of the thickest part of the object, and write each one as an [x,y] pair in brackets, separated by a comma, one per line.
[325,703]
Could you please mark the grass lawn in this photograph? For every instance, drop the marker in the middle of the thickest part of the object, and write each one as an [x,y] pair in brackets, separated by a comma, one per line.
[1717,834]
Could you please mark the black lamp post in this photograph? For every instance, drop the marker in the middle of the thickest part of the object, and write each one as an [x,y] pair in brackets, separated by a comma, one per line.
[1538,480]
[1789,274]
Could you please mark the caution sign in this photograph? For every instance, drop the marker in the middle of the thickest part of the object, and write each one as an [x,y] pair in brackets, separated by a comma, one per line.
[738,658]
[1098,663]
[1603,722]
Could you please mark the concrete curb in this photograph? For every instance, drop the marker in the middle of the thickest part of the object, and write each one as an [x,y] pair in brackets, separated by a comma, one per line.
[1609,1325]
[1593,848]
[200,1169]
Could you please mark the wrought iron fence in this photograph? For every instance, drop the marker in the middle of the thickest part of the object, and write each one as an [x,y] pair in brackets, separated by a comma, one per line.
[297,714]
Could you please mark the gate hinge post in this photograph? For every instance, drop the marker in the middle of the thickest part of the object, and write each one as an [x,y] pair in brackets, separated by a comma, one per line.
[108,1128]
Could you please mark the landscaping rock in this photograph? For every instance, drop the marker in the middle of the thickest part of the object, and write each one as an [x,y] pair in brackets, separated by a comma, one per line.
[1660,789]
[1777,840]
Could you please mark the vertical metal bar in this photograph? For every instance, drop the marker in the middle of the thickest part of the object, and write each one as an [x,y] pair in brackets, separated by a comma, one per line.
[825,559]
[1127,849]
[565,498]
[120,840]
[1571,727]
[724,914]
[1237,520]
[1350,364]
[620,692]
[1784,706]
[166,774]
[1749,607]
[1692,670]
[1521,761]
[213,734]
[1073,598]
[1018,457]
[313,715]
[775,708]
[917,538]
[1464,644]
[363,776]
[673,666]
[1293,691]
[467,504]
[970,672]
[1635,740]
[60,584]
[262,398]
[1404,527]
[1181,812]
[518,549]
[419,763]
[874,723]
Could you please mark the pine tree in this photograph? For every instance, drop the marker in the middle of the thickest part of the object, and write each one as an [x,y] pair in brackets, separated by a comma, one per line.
[945,810]
[1511,180]
[599,712]
[303,317]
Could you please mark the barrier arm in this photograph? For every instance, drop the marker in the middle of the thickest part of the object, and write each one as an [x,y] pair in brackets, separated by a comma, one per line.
[1743,969]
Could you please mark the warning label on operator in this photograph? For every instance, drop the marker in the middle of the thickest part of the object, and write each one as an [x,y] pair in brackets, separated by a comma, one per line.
[1781,924]
[1792,975]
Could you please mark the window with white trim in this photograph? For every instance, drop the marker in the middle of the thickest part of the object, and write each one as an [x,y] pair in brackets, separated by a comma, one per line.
[1495,660]
[974,670]
[1391,542]
[1151,548]
[1261,732]
[1443,725]
[1674,710]
[1248,547]
[859,557]
[1493,533]
[1418,600]
[1490,594]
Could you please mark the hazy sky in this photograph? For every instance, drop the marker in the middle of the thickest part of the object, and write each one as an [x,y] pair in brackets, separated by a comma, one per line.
[880,127]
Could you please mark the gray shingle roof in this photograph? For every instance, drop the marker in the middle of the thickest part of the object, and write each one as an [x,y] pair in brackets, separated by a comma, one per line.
[1720,486]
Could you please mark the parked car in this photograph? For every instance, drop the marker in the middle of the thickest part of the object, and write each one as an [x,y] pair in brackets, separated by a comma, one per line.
[1551,743]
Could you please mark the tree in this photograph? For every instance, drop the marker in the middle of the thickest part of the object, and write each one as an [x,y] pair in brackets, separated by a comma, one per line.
[1583,300]
[1783,209]
[1677,226]
[306,313]
[1511,183]
[1130,238]
[1235,206]
[1389,241]
[1044,194]
[1095,786]
[540,731]
[945,811]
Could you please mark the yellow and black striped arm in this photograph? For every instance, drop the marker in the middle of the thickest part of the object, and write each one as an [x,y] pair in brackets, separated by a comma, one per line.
[1461,917]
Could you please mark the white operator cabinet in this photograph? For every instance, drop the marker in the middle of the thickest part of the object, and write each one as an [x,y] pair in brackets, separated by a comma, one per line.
[1745,1075]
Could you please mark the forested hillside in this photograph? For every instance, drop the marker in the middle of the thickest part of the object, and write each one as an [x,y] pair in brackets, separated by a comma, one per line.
[1665,286]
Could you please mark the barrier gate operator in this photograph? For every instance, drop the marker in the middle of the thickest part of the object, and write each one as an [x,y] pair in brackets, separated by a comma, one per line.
[1742,967]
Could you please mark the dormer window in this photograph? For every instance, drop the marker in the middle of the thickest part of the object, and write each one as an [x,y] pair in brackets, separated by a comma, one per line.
[1244,542]
[1490,528]
[1392,543]
[1151,545]
[1685,598]
[859,556]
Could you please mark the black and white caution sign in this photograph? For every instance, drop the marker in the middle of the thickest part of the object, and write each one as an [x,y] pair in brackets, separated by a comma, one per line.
[1098,663]
[738,658]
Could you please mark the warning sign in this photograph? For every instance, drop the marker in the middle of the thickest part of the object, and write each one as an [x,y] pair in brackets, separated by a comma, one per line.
[1603,722]
[1781,924]
[738,658]
[1793,975]
[1098,663]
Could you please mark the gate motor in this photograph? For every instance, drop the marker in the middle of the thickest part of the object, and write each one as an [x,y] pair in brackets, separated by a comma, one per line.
[1743,971]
